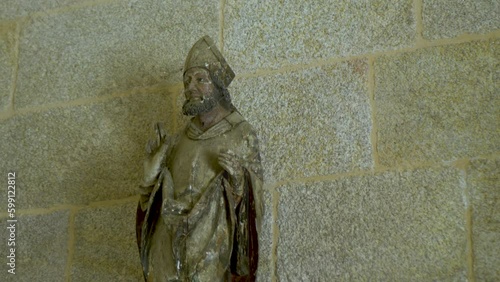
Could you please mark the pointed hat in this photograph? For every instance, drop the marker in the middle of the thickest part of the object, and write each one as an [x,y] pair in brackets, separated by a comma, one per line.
[204,54]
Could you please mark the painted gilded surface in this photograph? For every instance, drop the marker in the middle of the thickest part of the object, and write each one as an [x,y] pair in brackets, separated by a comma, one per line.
[200,210]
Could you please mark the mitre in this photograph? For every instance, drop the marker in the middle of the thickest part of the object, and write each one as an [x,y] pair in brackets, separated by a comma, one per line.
[204,54]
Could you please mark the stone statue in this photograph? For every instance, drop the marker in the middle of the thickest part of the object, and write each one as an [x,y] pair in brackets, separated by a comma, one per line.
[200,209]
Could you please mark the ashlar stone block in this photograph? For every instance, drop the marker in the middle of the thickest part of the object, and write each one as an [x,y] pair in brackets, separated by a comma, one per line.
[483,179]
[262,34]
[310,122]
[81,154]
[265,267]
[12,9]
[108,48]
[7,64]
[393,226]
[438,104]
[105,245]
[450,18]
[41,247]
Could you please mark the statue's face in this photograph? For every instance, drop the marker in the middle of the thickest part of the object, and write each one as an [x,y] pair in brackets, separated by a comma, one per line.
[200,92]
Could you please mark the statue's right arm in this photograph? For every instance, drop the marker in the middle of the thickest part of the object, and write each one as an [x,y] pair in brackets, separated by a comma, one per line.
[157,151]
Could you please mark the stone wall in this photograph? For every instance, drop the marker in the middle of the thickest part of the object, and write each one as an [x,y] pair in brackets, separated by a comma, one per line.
[379,123]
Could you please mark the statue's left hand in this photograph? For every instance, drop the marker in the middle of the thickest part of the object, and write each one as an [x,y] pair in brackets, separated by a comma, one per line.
[233,164]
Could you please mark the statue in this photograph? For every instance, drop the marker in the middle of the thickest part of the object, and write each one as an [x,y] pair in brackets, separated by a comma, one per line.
[200,208]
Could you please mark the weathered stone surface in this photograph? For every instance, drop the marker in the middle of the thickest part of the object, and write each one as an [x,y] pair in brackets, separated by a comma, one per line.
[81,154]
[260,34]
[264,271]
[438,104]
[7,63]
[20,8]
[310,122]
[105,245]
[265,241]
[108,48]
[483,179]
[395,226]
[445,19]
[41,248]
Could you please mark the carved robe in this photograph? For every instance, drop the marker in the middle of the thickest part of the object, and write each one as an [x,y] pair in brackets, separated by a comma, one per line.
[196,225]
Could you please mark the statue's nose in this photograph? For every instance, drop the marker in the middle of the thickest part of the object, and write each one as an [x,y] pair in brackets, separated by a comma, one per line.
[192,85]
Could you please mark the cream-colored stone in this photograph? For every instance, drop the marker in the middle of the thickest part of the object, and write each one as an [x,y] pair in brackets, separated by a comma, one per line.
[7,64]
[81,154]
[483,178]
[264,271]
[445,19]
[107,48]
[105,245]
[394,226]
[438,104]
[12,9]
[41,247]
[309,122]
[263,34]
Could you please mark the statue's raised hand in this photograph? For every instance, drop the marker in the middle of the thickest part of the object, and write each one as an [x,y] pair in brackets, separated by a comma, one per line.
[157,153]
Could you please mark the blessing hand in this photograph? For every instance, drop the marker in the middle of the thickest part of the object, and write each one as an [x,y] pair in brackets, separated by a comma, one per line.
[156,150]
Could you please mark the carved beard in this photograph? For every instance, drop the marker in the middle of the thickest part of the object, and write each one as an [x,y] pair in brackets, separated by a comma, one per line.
[196,107]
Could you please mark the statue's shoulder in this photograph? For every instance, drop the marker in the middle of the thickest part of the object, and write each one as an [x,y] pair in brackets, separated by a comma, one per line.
[235,118]
[246,134]
[238,122]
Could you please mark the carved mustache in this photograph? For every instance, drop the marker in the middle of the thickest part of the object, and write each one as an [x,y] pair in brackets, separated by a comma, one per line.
[194,95]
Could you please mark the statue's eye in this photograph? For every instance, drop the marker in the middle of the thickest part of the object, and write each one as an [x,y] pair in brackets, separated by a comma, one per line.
[202,80]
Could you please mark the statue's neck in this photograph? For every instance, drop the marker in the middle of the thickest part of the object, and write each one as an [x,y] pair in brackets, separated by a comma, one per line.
[209,119]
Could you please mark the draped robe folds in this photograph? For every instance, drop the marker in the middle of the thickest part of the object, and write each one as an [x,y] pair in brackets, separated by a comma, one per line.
[214,237]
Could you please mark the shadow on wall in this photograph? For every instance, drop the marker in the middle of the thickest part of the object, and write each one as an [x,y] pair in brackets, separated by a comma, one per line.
[84,153]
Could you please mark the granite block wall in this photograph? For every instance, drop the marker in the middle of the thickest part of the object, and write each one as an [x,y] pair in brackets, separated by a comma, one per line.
[379,124]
